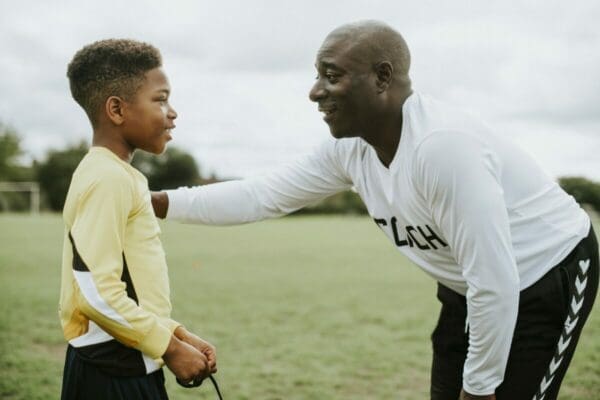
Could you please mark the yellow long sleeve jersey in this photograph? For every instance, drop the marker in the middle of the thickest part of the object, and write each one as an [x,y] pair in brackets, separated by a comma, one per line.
[114,301]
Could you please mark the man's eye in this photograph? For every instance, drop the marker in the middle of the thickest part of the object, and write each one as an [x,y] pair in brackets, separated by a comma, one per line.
[332,78]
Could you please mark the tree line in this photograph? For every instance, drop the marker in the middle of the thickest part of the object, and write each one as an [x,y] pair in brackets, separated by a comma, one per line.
[170,170]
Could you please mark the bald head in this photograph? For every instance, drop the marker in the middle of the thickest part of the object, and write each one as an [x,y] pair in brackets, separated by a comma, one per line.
[372,42]
[362,81]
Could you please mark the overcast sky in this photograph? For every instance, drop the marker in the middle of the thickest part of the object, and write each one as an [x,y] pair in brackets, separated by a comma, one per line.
[241,70]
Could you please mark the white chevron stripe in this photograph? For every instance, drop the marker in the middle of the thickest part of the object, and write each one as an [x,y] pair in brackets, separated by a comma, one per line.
[545,383]
[580,285]
[584,265]
[554,365]
[562,345]
[576,306]
[565,339]
[569,325]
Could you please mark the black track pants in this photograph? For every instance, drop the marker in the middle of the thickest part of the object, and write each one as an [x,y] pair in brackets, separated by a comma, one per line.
[552,313]
[83,381]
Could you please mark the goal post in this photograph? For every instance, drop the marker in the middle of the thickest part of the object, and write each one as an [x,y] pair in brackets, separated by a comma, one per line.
[32,187]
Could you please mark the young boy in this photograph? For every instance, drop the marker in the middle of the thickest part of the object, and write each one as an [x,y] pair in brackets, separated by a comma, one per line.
[114,303]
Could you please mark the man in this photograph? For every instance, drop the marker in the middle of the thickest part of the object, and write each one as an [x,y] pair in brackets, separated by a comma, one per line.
[515,257]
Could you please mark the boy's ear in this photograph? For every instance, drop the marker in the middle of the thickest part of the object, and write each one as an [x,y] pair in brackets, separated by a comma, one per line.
[114,109]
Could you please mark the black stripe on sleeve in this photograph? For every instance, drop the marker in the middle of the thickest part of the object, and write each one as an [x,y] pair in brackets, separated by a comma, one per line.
[125,277]
[78,264]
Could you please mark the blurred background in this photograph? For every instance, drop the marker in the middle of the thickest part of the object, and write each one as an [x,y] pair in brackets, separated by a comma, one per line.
[241,71]
[343,315]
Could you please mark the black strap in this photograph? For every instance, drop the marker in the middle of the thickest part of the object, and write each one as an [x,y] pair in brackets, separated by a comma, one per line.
[196,383]
[216,385]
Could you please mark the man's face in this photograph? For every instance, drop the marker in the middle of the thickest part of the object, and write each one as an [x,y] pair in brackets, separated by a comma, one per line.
[149,116]
[344,88]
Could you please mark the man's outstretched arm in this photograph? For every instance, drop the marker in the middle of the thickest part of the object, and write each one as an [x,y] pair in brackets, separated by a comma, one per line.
[301,183]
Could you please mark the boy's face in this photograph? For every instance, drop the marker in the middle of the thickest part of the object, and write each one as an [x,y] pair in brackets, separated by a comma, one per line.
[149,117]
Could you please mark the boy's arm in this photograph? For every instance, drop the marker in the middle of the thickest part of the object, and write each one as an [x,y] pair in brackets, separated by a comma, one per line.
[97,236]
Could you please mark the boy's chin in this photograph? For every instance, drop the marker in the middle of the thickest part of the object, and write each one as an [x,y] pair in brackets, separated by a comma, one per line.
[156,150]
[160,151]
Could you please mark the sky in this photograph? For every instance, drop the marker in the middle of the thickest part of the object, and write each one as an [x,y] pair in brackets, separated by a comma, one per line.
[240,71]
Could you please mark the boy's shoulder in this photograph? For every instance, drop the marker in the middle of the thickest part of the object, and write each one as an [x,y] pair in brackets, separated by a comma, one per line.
[100,165]
[102,175]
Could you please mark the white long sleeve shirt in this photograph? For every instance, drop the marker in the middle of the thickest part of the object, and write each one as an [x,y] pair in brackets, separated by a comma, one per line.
[464,204]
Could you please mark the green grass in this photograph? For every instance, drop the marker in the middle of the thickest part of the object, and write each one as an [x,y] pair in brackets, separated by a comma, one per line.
[299,308]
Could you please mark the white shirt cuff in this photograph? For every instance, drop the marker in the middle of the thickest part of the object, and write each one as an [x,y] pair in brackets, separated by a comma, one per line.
[179,204]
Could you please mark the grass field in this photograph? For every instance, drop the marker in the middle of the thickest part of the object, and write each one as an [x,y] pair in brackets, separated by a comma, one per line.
[299,308]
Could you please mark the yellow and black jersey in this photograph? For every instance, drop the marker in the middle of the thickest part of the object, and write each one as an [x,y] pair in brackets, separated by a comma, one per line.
[114,302]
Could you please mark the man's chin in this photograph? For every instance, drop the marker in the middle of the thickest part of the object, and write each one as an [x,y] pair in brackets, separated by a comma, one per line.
[339,134]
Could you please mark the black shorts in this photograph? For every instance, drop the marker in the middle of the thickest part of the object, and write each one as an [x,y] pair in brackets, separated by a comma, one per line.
[83,381]
[552,313]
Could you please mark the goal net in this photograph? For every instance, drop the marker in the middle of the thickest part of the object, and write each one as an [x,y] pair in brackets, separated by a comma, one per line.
[32,187]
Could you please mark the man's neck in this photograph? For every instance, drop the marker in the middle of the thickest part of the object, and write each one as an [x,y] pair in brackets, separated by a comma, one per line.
[385,135]
[386,148]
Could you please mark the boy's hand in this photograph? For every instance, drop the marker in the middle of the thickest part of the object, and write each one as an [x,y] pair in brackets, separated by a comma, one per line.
[466,396]
[160,204]
[185,361]
[201,345]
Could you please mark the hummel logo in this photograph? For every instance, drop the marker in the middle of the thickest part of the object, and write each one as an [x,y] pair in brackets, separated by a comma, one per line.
[570,323]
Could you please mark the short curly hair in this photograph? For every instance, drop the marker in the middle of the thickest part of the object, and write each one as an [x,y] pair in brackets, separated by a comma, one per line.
[112,67]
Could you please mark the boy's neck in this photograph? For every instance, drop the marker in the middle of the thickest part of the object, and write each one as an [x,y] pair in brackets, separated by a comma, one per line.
[114,142]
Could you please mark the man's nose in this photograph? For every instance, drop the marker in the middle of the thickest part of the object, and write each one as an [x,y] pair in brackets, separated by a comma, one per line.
[317,92]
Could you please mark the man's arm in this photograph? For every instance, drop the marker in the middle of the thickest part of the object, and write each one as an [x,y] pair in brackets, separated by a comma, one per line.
[460,179]
[303,182]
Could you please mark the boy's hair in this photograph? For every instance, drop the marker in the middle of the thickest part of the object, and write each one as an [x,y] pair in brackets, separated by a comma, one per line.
[113,67]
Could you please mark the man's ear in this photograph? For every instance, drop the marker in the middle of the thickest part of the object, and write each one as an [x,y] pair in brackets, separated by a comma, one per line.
[114,109]
[384,72]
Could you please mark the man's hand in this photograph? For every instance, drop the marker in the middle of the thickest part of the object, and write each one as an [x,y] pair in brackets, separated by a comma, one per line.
[185,361]
[466,396]
[160,204]
[201,345]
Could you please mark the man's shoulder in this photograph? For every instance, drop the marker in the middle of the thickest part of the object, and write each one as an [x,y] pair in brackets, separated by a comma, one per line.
[449,146]
[428,117]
